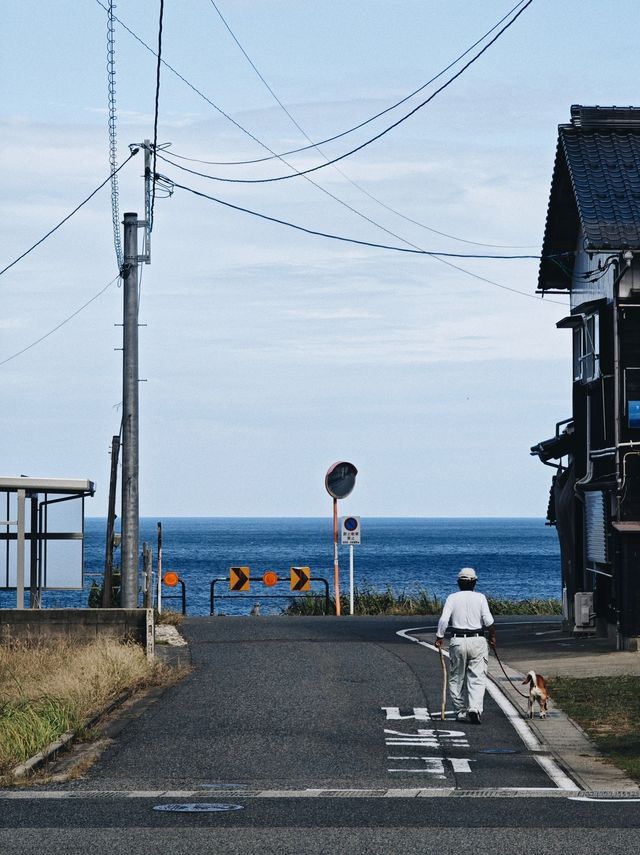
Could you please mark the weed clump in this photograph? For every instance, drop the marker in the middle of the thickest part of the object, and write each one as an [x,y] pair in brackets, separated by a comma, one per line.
[49,688]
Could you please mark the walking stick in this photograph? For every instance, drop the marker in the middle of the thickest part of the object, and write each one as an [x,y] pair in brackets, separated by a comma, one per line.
[444,686]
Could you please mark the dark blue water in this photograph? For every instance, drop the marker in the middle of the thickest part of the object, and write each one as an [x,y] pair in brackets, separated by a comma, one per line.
[514,558]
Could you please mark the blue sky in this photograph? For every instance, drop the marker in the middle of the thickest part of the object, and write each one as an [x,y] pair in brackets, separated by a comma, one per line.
[269,354]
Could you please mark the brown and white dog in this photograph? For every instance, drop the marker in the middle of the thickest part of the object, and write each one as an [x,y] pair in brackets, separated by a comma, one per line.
[537,692]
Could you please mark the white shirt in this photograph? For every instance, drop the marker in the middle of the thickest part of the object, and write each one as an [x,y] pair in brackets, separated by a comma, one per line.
[467,610]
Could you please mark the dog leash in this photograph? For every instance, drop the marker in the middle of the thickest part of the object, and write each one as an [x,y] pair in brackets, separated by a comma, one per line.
[513,685]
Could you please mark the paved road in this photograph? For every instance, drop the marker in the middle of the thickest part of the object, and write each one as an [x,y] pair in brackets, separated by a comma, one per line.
[326,733]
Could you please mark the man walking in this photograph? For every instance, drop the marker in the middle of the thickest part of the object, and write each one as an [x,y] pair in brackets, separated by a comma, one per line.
[469,614]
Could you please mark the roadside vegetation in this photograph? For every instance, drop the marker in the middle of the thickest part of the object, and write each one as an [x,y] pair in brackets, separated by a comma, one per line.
[608,709]
[49,689]
[421,602]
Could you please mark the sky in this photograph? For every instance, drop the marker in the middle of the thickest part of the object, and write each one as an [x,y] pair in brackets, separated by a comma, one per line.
[268,354]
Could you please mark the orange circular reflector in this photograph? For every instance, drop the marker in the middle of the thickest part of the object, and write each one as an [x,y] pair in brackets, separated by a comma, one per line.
[270,578]
[171,579]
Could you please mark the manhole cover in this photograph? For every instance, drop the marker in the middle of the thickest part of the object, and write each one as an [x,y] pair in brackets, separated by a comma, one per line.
[198,807]
[497,751]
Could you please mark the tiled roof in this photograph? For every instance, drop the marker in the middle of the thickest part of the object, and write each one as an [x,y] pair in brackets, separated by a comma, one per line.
[605,173]
[595,186]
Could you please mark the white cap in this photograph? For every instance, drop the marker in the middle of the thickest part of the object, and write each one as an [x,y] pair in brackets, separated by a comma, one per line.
[467,573]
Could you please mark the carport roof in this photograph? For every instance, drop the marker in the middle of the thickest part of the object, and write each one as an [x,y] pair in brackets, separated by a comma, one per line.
[65,486]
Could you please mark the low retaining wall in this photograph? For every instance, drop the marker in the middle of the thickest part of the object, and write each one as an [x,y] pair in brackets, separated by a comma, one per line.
[78,624]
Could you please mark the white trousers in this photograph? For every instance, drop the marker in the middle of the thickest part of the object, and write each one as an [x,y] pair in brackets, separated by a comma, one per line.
[468,659]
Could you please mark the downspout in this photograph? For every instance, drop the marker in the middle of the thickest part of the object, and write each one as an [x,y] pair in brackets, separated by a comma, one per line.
[589,474]
[616,385]
[627,258]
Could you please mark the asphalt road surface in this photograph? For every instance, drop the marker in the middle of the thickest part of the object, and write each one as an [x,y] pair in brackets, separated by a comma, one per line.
[316,735]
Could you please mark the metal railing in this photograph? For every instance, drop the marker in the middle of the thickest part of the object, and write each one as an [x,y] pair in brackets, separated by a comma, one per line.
[291,595]
[181,596]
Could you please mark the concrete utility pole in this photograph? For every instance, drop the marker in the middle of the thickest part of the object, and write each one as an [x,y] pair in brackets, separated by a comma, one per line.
[130,430]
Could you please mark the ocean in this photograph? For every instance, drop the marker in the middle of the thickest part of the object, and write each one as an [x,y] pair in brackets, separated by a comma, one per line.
[515,558]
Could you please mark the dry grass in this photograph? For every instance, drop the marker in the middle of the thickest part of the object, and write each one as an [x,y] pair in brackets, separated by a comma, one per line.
[168,617]
[48,689]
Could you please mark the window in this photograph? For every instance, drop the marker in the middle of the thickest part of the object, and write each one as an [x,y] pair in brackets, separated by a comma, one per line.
[586,349]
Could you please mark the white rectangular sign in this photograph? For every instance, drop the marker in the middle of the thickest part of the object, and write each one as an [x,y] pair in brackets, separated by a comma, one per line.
[350,531]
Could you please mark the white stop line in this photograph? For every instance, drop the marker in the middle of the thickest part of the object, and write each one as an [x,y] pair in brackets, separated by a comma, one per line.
[562,781]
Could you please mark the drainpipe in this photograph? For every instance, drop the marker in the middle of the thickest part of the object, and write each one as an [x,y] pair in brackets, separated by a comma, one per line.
[589,474]
[616,387]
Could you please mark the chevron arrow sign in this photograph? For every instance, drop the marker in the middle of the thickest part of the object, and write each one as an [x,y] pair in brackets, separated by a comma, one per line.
[239,578]
[300,578]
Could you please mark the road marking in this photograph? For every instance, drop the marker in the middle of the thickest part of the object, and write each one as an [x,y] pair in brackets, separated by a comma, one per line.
[324,792]
[589,799]
[428,738]
[559,778]
[419,713]
[435,765]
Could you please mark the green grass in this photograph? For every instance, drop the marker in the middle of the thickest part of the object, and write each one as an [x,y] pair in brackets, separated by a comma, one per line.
[608,709]
[29,725]
[421,602]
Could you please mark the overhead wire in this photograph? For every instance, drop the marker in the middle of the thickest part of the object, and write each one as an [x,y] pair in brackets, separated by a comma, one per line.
[68,217]
[355,127]
[337,168]
[373,139]
[318,233]
[263,145]
[247,132]
[444,257]
[155,117]
[61,324]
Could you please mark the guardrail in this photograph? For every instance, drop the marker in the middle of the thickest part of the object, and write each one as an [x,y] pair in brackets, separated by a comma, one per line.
[235,595]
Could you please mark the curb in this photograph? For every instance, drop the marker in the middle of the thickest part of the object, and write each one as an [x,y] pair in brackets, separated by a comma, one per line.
[566,741]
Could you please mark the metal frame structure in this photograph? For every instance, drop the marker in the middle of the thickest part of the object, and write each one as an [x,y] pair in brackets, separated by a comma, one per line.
[39,492]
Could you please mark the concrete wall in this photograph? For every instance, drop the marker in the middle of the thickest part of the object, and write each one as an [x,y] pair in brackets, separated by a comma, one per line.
[77,624]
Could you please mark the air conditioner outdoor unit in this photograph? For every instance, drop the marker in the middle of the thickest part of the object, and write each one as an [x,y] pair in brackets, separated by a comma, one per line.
[583,608]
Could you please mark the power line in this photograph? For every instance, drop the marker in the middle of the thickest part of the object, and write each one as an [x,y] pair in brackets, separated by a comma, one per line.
[372,139]
[256,139]
[68,217]
[349,130]
[156,110]
[417,251]
[317,233]
[61,324]
[337,168]
[244,130]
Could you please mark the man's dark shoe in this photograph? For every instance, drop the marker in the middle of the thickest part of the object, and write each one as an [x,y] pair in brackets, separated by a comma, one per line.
[474,717]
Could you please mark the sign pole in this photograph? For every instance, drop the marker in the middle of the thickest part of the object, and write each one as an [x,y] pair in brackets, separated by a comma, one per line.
[339,482]
[159,568]
[351,578]
[336,566]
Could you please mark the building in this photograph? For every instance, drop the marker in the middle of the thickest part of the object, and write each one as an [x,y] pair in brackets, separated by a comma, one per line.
[591,252]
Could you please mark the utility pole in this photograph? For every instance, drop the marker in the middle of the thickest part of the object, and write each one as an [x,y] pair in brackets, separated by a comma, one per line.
[107,586]
[130,429]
